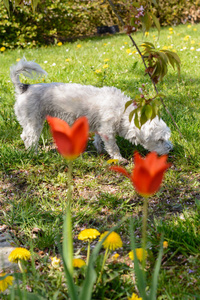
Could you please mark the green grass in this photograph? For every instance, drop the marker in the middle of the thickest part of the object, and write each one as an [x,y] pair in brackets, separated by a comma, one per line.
[34,186]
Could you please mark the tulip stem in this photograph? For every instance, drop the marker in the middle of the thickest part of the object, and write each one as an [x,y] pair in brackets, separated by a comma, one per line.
[67,238]
[144,230]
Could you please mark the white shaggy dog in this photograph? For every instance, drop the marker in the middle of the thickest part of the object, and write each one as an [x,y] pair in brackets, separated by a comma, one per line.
[104,108]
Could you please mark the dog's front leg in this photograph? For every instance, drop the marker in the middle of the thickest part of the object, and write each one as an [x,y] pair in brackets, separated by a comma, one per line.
[112,149]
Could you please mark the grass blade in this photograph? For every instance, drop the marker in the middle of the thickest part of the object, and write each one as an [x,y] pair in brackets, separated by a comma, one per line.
[154,282]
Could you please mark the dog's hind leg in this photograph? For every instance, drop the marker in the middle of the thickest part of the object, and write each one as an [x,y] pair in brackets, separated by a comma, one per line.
[31,135]
[98,143]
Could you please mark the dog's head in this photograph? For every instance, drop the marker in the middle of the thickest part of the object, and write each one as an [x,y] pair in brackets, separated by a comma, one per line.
[154,136]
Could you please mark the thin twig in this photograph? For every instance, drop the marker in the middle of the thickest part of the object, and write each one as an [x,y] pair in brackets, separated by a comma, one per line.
[142,57]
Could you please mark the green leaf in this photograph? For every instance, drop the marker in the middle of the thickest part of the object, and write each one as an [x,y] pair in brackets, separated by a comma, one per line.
[34,4]
[148,111]
[141,276]
[157,23]
[146,22]
[143,117]
[154,2]
[70,284]
[147,45]
[128,103]
[154,283]
[6,3]
[136,121]
[67,254]
[132,113]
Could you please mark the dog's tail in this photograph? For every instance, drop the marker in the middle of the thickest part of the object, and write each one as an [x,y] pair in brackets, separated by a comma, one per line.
[27,68]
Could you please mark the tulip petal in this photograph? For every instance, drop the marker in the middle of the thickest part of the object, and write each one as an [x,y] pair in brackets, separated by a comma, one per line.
[80,131]
[120,170]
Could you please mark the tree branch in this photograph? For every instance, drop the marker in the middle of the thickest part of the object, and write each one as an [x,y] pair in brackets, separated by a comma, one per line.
[142,57]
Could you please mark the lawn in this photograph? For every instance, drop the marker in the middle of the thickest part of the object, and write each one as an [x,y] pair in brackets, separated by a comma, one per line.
[33,187]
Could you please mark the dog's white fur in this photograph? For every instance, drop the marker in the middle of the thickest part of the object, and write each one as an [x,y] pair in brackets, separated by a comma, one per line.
[104,108]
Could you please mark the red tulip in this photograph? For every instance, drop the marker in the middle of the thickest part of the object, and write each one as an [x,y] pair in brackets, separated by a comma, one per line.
[147,174]
[70,141]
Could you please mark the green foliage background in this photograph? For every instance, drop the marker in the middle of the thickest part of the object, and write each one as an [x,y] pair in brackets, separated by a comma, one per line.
[61,20]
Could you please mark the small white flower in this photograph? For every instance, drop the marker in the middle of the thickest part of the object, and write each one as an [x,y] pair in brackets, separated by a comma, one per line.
[198,49]
[67,50]
[158,46]
[54,64]
[45,62]
[184,48]
[192,48]
[181,49]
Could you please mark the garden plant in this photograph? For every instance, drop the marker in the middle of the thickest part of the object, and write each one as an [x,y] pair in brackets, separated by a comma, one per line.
[57,207]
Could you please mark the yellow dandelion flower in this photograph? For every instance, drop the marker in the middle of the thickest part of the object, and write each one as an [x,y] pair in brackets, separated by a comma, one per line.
[88,234]
[59,44]
[189,26]
[134,52]
[78,263]
[186,38]
[125,43]
[192,42]
[55,262]
[165,244]
[194,29]
[134,297]
[106,59]
[110,161]
[79,46]
[115,256]
[19,254]
[4,283]
[128,51]
[171,32]
[2,49]
[18,59]
[67,59]
[171,29]
[164,47]
[97,71]
[105,66]
[169,47]
[112,242]
[105,44]
[146,33]
[139,253]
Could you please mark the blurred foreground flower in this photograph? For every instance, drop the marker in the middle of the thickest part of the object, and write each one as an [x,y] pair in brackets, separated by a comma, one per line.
[88,234]
[134,297]
[78,263]
[139,252]
[2,49]
[165,244]
[147,174]
[70,141]
[112,242]
[19,254]
[4,283]
[55,262]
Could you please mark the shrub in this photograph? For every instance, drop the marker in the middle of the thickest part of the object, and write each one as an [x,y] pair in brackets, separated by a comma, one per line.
[60,20]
